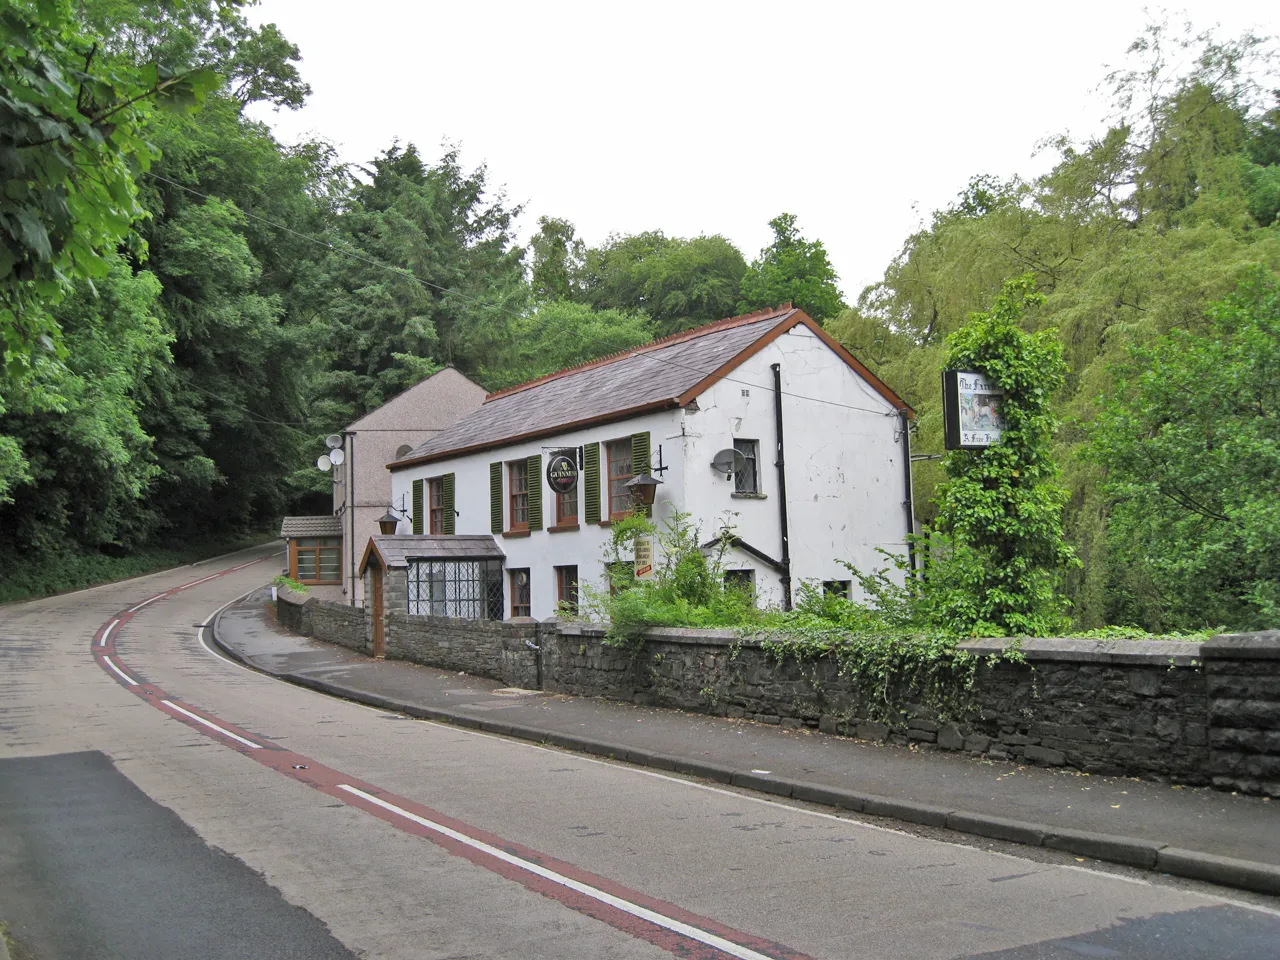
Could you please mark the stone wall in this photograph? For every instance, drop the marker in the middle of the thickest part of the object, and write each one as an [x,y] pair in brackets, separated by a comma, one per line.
[1242,677]
[324,619]
[498,650]
[1187,712]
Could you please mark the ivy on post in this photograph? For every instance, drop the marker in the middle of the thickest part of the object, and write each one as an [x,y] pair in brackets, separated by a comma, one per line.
[1000,508]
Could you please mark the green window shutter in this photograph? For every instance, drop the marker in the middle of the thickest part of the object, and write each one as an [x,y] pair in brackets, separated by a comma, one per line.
[640,459]
[591,481]
[446,483]
[495,497]
[535,491]
[419,515]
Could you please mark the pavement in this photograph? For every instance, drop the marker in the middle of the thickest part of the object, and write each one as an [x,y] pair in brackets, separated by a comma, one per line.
[1196,833]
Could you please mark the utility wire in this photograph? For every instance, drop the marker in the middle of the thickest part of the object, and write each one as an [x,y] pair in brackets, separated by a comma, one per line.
[409,275]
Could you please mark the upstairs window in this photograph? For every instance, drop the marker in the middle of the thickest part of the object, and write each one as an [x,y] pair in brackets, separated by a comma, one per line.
[518,477]
[747,480]
[435,497]
[619,456]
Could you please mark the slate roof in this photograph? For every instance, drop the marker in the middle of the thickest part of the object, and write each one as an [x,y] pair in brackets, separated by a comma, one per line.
[294,527]
[665,373]
[632,381]
[399,549]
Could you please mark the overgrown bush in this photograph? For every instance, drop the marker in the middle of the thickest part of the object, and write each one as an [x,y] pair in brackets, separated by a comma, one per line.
[687,588]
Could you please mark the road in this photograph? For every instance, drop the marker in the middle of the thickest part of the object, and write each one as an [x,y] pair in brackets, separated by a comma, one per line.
[159,801]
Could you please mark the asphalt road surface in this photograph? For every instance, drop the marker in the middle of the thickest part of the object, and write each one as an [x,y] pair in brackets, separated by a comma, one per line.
[158,801]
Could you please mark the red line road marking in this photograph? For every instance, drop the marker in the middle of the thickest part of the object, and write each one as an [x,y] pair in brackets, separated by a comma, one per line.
[663,924]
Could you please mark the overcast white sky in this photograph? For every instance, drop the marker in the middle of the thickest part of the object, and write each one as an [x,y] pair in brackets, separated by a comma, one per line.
[699,117]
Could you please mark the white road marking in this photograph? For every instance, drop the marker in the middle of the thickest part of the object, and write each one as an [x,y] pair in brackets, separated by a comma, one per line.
[158,596]
[196,583]
[626,906]
[123,676]
[209,723]
[107,632]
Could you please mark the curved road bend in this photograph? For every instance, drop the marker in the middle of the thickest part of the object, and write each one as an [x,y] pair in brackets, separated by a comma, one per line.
[158,801]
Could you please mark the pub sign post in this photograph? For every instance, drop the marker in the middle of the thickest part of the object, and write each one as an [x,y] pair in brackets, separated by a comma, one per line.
[971,412]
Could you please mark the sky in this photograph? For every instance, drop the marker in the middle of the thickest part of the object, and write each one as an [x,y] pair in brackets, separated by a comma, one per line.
[706,117]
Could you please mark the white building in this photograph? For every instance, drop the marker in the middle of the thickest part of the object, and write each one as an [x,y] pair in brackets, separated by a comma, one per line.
[685,399]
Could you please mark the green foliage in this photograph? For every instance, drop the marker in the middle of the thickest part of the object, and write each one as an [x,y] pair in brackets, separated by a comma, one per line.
[679,283]
[71,145]
[560,333]
[792,269]
[1000,509]
[1132,234]
[687,588]
[285,581]
[1190,445]
[557,258]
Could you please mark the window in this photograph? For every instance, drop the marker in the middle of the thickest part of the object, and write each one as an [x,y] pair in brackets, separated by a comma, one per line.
[743,581]
[747,480]
[519,593]
[317,559]
[518,475]
[469,589]
[619,454]
[567,588]
[837,588]
[435,497]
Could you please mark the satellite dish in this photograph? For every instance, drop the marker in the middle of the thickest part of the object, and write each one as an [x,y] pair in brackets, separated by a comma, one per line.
[323,463]
[728,462]
[333,441]
[336,456]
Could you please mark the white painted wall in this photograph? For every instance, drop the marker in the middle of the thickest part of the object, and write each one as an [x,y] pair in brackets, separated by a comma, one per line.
[845,485]
[542,551]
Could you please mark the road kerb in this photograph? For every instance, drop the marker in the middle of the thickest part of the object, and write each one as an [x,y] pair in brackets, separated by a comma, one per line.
[1131,851]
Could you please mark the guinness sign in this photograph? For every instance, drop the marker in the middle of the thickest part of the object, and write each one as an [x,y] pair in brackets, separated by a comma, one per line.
[562,473]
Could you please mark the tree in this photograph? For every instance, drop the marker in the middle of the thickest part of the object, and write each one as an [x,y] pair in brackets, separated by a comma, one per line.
[558,334]
[71,146]
[1190,445]
[792,269]
[680,283]
[424,271]
[556,260]
[1000,509]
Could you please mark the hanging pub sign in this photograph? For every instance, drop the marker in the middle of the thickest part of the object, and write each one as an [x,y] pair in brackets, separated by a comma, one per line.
[562,473]
[970,410]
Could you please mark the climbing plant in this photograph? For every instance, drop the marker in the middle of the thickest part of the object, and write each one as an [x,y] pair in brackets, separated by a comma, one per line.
[998,550]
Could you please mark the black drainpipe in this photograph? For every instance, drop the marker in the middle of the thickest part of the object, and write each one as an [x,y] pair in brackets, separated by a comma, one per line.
[782,487]
[906,476]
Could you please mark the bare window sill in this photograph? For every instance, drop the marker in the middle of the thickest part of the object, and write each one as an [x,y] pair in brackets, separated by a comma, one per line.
[562,528]
[749,496]
[511,534]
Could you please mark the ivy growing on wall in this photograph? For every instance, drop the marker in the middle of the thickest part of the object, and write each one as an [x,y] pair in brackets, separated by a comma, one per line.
[998,552]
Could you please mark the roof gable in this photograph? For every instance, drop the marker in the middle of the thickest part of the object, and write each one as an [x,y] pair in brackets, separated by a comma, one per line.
[431,404]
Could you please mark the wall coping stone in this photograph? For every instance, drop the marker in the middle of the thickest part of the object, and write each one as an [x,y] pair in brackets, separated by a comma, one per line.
[1181,653]
[690,635]
[1263,645]
[293,597]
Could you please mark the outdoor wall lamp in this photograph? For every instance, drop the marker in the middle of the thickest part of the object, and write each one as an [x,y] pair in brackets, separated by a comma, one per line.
[388,522]
[643,489]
